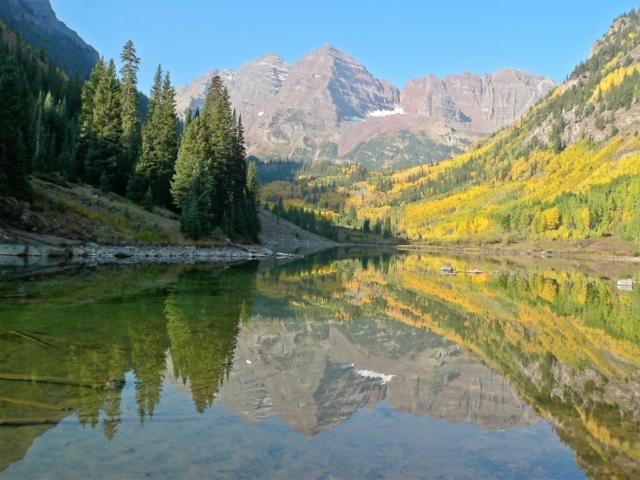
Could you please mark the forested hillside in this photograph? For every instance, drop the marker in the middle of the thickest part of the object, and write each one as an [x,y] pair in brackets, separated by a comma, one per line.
[56,129]
[39,106]
[570,169]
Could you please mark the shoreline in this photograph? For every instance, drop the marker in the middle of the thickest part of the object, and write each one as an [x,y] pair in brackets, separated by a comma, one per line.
[63,249]
[283,240]
[150,253]
[519,253]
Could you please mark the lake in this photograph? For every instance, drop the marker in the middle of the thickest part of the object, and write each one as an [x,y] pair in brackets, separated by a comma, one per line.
[350,363]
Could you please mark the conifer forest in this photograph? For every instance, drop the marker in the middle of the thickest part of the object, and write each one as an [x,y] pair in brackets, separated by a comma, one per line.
[105,134]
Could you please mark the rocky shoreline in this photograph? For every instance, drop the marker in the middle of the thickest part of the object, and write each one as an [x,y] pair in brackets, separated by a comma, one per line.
[280,239]
[93,250]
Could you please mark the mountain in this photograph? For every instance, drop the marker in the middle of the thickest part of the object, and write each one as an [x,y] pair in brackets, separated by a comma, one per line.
[251,88]
[37,24]
[328,106]
[569,169]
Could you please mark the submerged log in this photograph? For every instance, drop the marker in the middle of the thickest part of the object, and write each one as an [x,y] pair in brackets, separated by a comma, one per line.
[33,339]
[23,422]
[29,403]
[55,380]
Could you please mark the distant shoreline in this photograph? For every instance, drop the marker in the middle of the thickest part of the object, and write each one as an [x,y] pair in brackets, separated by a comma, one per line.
[527,253]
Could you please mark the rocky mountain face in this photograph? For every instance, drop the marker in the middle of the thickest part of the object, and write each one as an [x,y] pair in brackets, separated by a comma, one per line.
[328,106]
[37,24]
[486,103]
[251,88]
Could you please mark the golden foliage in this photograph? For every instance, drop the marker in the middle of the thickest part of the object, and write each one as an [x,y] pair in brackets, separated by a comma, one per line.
[612,79]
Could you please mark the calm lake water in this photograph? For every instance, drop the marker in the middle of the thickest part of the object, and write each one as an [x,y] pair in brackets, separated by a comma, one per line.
[347,364]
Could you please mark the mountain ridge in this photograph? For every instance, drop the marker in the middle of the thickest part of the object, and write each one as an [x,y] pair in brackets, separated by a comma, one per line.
[327,104]
[38,25]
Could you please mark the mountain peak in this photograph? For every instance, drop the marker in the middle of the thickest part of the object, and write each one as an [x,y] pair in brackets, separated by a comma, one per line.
[328,47]
[328,103]
[272,57]
[331,51]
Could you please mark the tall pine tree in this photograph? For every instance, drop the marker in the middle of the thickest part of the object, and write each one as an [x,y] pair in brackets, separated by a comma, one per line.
[215,140]
[86,132]
[253,201]
[191,155]
[195,220]
[104,155]
[159,145]
[131,129]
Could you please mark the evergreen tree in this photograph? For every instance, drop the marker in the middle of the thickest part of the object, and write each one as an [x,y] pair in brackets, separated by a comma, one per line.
[238,162]
[386,228]
[253,201]
[213,94]
[195,219]
[214,140]
[190,155]
[131,129]
[253,184]
[46,118]
[15,132]
[159,144]
[86,132]
[222,132]
[377,227]
[104,154]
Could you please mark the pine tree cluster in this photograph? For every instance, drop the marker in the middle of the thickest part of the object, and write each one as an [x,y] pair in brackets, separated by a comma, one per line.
[212,185]
[39,106]
[94,134]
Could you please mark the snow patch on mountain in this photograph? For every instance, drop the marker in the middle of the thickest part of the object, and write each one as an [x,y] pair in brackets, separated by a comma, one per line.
[386,113]
[372,374]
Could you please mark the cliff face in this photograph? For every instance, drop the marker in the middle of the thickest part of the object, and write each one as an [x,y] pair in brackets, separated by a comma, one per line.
[37,24]
[328,106]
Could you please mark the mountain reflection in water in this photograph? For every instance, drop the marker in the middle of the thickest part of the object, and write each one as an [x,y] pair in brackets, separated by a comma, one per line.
[312,344]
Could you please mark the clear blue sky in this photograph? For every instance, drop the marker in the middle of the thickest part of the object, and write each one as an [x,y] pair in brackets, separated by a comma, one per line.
[394,39]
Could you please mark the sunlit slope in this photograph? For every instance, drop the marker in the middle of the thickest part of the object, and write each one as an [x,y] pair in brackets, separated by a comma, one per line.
[570,169]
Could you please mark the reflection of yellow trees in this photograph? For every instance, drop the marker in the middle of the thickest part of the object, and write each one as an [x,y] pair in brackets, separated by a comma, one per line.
[529,324]
[566,313]
[535,326]
[605,438]
[531,315]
